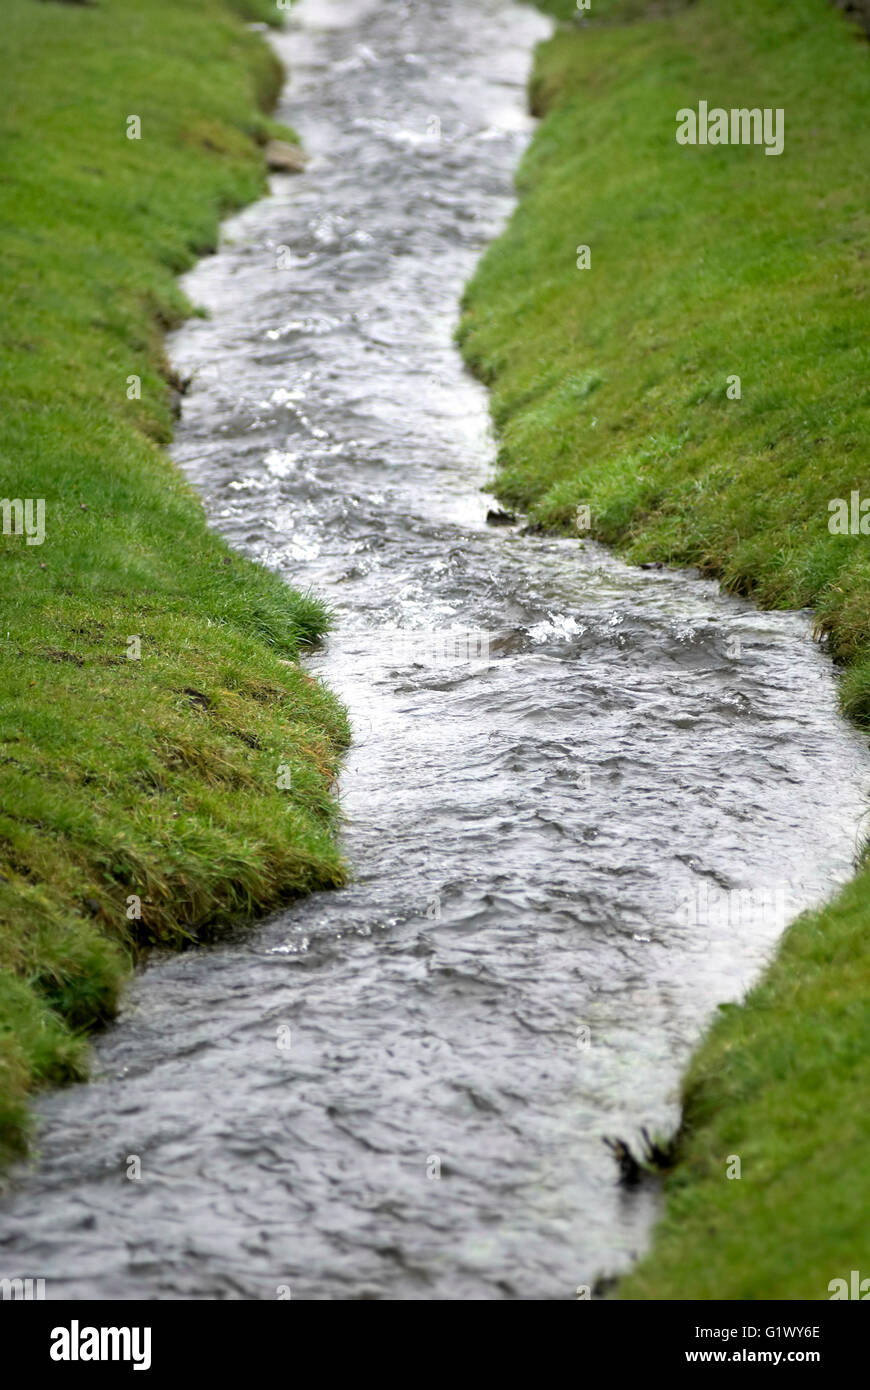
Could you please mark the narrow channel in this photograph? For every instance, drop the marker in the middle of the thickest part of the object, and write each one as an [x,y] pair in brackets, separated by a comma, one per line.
[582,801]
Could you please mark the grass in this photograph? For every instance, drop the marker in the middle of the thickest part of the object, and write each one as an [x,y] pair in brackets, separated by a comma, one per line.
[610,389]
[130,785]
[781,1082]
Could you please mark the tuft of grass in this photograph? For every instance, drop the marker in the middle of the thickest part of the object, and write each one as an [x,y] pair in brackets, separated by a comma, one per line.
[144,785]
[609,388]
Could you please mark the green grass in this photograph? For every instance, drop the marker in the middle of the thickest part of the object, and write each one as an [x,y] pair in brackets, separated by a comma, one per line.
[609,389]
[155,778]
[782,1082]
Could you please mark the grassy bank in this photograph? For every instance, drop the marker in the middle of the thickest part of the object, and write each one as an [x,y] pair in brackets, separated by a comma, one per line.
[610,389]
[135,776]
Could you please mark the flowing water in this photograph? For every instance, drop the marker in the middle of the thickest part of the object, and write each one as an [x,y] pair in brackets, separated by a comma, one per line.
[582,798]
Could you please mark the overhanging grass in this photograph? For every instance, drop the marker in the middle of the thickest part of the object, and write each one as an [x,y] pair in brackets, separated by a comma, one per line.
[609,388]
[155,778]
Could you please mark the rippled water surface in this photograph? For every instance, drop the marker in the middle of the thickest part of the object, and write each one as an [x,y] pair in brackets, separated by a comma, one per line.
[581,800]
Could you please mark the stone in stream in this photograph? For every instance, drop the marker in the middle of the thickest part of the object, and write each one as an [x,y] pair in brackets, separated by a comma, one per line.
[285,158]
[496,517]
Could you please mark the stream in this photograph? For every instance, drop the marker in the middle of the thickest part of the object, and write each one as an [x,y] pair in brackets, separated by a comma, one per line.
[581,804]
